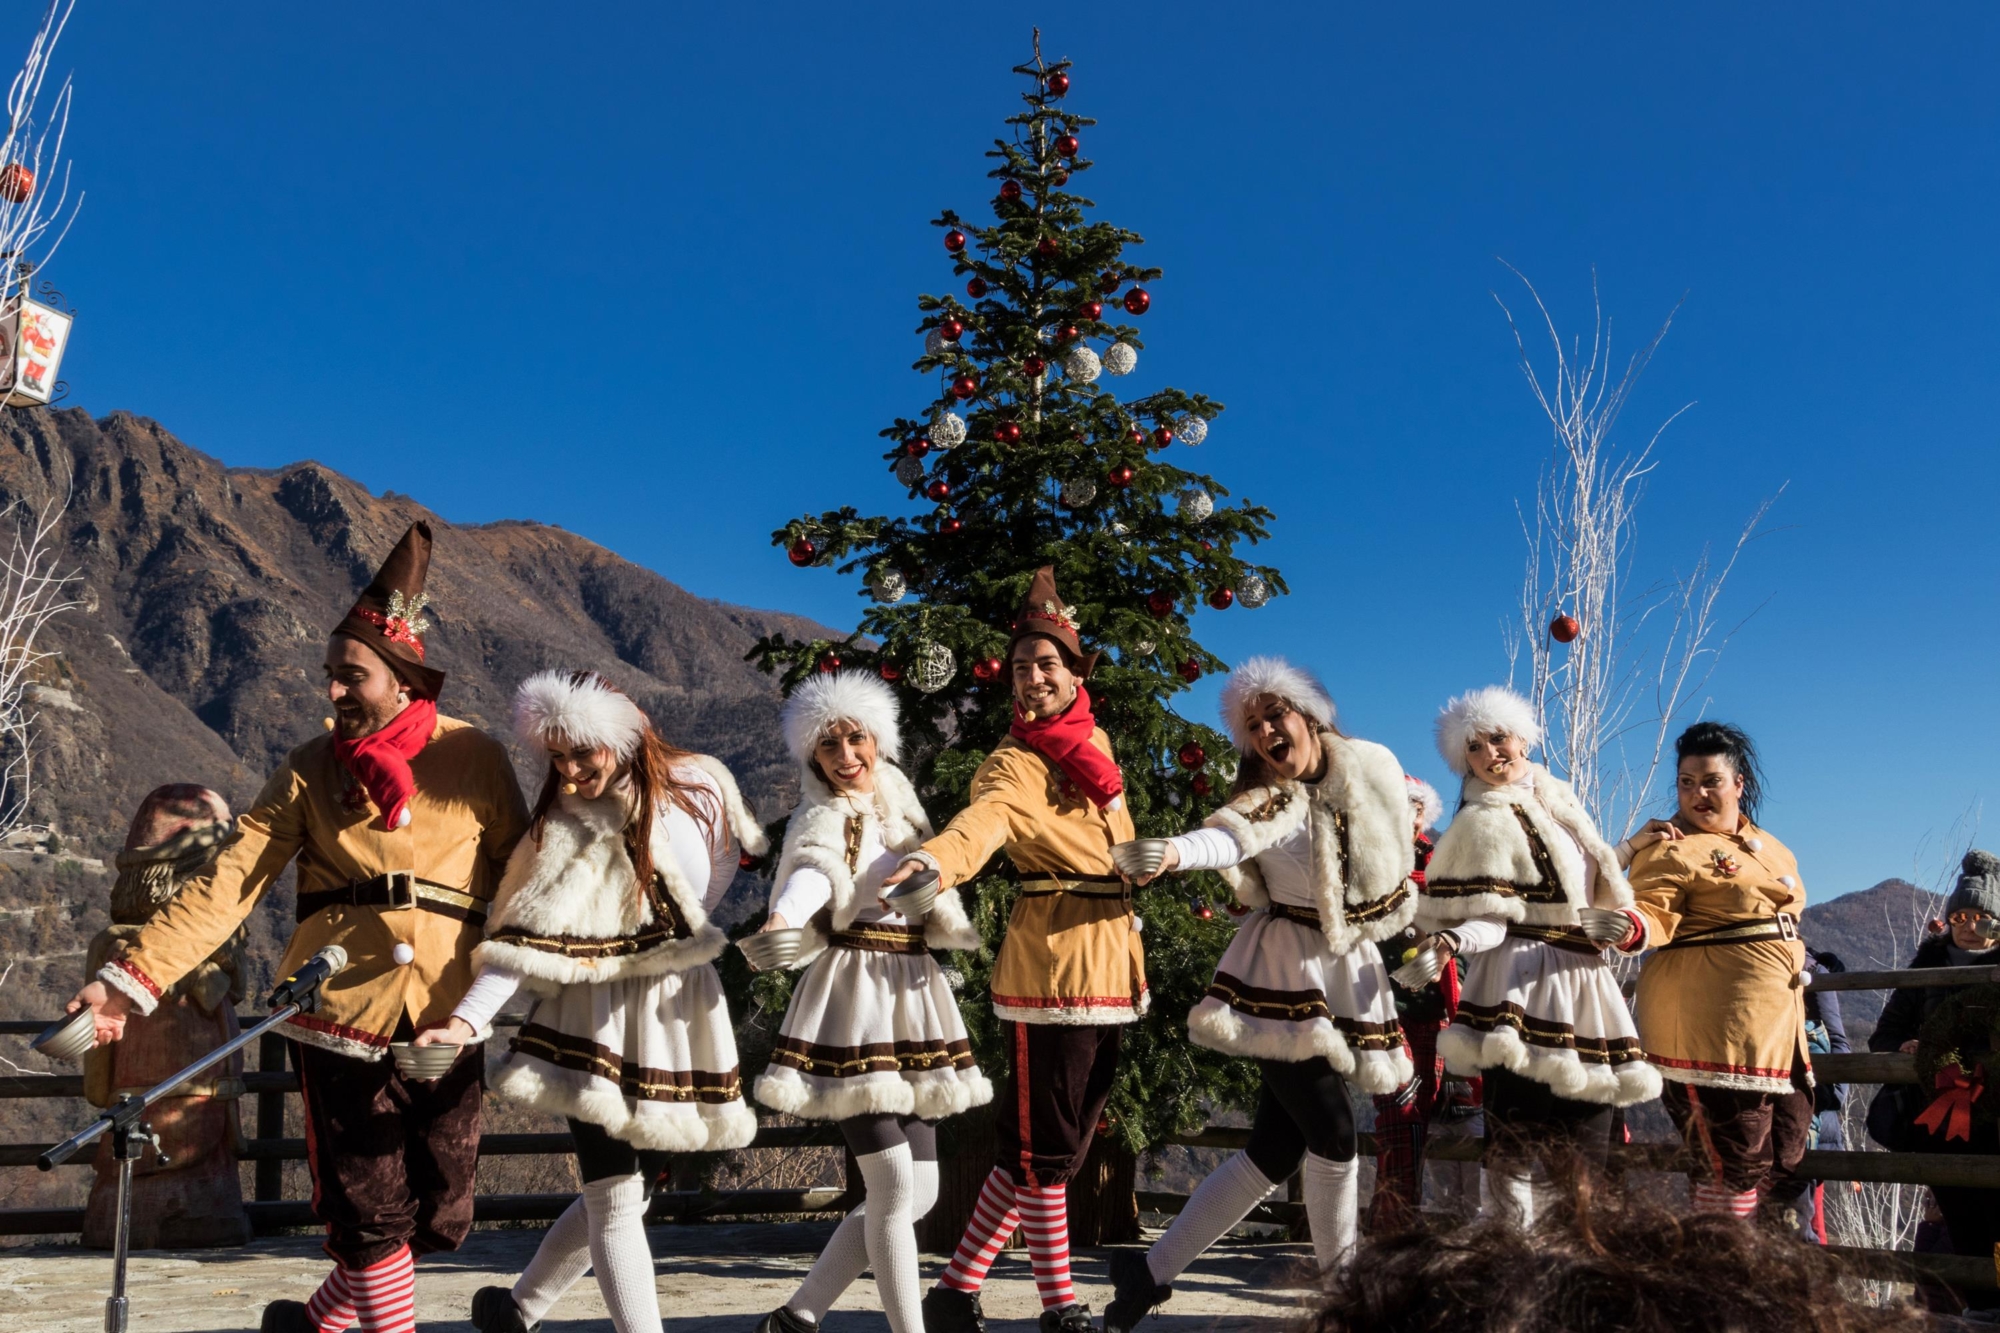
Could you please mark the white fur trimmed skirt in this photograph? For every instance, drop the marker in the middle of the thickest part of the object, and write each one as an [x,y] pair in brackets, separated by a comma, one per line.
[873,1029]
[1552,1013]
[652,1059]
[1282,993]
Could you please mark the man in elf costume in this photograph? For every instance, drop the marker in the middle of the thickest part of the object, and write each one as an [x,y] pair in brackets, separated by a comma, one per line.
[1071,968]
[401,822]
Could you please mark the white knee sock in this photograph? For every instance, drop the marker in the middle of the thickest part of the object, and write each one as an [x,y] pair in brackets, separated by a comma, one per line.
[891,1230]
[843,1260]
[560,1263]
[1221,1201]
[927,1189]
[1332,1189]
[1547,1196]
[619,1253]
[1507,1191]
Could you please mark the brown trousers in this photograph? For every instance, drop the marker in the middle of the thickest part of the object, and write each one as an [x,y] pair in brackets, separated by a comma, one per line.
[1059,1080]
[1745,1140]
[392,1159]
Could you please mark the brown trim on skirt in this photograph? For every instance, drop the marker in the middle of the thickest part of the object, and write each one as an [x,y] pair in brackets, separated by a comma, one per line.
[881,1057]
[639,1082]
[1555,1036]
[1301,1006]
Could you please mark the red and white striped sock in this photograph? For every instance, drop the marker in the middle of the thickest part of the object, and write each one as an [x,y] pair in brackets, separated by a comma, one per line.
[331,1308]
[385,1294]
[994,1219]
[1715,1197]
[1045,1219]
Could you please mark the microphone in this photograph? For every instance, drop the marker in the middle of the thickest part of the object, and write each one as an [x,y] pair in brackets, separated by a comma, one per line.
[299,987]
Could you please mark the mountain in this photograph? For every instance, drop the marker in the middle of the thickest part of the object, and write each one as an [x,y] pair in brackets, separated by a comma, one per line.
[1872,929]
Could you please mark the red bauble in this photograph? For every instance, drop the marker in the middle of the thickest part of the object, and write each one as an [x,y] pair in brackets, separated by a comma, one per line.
[951,527]
[1120,476]
[1208,546]
[939,489]
[1192,756]
[1033,366]
[986,669]
[1068,333]
[954,240]
[1010,190]
[965,386]
[1092,310]
[1161,604]
[1565,628]
[1162,438]
[951,328]
[1136,435]
[829,664]
[1138,301]
[16,183]
[1109,282]
[976,288]
[1203,910]
[916,446]
[1201,787]
[1061,178]
[803,552]
[1057,83]
[1190,671]
[1068,145]
[890,672]
[1008,432]
[1048,247]
[1222,599]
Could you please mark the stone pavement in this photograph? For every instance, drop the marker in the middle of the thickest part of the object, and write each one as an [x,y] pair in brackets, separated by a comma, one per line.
[713,1279]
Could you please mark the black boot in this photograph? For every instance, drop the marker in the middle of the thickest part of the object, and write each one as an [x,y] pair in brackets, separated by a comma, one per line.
[1135,1294]
[947,1310]
[784,1319]
[286,1317]
[1071,1318]
[494,1311]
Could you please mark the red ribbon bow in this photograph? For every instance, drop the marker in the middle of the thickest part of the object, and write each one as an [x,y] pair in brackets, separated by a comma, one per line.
[1950,1113]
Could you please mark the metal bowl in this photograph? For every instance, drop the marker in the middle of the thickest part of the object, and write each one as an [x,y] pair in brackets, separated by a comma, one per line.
[70,1037]
[424,1062]
[912,899]
[772,949]
[1140,857]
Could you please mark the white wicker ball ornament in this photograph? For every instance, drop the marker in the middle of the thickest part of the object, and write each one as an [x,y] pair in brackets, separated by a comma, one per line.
[1078,492]
[1252,591]
[948,431]
[1082,365]
[1192,430]
[933,666]
[910,471]
[888,586]
[1121,358]
[1197,505]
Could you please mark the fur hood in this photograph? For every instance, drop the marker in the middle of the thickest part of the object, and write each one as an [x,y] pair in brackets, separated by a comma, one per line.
[568,911]
[817,838]
[1497,857]
[1362,848]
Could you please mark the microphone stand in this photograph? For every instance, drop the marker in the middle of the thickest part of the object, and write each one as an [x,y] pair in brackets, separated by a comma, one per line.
[129,1133]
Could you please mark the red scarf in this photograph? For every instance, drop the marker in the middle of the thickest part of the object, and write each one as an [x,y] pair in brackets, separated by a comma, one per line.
[380,761]
[1064,740]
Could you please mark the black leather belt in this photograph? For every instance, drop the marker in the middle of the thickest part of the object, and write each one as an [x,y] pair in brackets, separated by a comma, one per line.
[1570,938]
[1784,926]
[1305,916]
[396,891]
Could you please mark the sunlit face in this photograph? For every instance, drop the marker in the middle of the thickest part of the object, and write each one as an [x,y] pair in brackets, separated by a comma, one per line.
[591,769]
[1043,683]
[1711,793]
[846,756]
[1969,927]
[366,695]
[1283,737]
[1499,757]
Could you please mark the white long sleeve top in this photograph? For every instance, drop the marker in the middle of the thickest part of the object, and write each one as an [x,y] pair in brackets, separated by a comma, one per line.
[707,859]
[806,890]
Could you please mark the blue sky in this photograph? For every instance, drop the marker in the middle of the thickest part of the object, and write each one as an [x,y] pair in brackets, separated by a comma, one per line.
[650,273]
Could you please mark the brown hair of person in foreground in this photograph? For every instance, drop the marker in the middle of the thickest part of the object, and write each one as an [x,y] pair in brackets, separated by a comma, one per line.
[1619,1265]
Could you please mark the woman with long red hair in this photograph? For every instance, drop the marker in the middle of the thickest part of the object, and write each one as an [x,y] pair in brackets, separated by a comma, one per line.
[603,918]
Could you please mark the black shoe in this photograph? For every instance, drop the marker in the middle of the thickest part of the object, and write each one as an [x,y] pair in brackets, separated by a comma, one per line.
[286,1317]
[494,1311]
[1134,1293]
[950,1311]
[784,1319]
[1071,1318]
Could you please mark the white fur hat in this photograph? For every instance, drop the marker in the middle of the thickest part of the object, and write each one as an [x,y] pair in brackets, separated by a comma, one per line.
[580,707]
[842,696]
[1482,712]
[1424,800]
[1271,675]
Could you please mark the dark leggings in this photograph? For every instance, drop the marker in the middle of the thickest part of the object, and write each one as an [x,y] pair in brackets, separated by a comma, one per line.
[1304,1108]
[601,1157]
[1525,1119]
[867,1134]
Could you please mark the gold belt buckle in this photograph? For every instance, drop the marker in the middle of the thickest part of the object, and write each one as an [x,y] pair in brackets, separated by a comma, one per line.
[402,890]
[1788,926]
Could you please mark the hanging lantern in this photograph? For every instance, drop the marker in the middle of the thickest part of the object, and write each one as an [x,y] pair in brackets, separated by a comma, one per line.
[32,342]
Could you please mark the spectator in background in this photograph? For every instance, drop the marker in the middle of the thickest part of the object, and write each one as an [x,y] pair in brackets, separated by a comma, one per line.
[1826,1034]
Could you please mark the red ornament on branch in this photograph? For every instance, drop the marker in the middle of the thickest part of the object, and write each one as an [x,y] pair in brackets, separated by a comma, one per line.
[16,183]
[1092,310]
[1202,787]
[951,328]
[976,288]
[1162,438]
[1121,476]
[1190,671]
[803,552]
[1048,247]
[1192,756]
[1057,83]
[1068,145]
[1061,178]
[954,240]
[1160,603]
[1222,599]
[1109,282]
[939,489]
[1138,301]
[1565,628]
[951,525]
[1135,435]
[890,672]
[1033,366]
[1010,190]
[1008,432]
[1202,910]
[829,663]
[965,386]
[916,446]
[986,669]
[1068,333]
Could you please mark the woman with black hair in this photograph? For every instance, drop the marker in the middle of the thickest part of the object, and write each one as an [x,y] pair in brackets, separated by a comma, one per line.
[1721,1006]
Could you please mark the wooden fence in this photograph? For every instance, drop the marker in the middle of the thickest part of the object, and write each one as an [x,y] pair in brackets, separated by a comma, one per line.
[269,1149]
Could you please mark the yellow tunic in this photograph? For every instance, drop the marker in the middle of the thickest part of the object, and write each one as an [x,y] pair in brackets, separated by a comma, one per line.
[1072,953]
[464,821]
[1723,1015]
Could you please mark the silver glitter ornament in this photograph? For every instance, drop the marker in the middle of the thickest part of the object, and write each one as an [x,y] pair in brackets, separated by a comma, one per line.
[1078,492]
[932,667]
[1197,505]
[934,342]
[948,431]
[1121,358]
[888,586]
[1145,647]
[1192,430]
[1252,591]
[910,471]
[1082,365]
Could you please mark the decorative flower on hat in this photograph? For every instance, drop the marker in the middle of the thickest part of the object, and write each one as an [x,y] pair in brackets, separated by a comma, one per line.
[1055,613]
[403,621]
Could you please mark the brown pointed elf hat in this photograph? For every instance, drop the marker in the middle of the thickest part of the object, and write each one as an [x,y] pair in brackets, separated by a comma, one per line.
[1043,612]
[388,617]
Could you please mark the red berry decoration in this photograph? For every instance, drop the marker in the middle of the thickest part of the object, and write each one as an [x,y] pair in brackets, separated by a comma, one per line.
[1190,671]
[976,288]
[828,664]
[1138,301]
[1092,310]
[965,386]
[803,552]
[1121,476]
[1010,190]
[1048,247]
[951,328]
[1110,282]
[1203,910]
[939,489]
[1222,599]
[987,669]
[890,672]
[1057,83]
[1008,432]
[1162,438]
[1068,145]
[954,240]
[1201,787]
[1161,604]
[1565,628]
[1033,366]
[1192,756]
[951,526]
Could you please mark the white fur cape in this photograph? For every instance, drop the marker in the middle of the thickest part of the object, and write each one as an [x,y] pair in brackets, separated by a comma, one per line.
[1363,786]
[816,839]
[575,888]
[1485,864]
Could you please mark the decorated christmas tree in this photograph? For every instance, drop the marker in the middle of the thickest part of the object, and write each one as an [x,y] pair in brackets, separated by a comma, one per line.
[1025,457]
